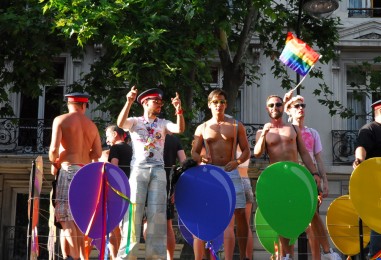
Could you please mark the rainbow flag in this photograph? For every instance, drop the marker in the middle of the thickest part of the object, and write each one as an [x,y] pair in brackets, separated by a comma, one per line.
[298,55]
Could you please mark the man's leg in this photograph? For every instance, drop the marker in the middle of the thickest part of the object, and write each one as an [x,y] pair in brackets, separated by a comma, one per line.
[156,242]
[313,242]
[69,230]
[242,231]
[138,186]
[114,242]
[198,248]
[229,240]
[250,241]
[286,248]
[171,240]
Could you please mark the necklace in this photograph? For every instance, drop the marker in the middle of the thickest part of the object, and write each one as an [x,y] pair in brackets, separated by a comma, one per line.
[151,137]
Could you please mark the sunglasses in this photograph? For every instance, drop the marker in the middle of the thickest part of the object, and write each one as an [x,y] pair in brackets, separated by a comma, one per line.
[274,104]
[157,101]
[299,105]
[221,102]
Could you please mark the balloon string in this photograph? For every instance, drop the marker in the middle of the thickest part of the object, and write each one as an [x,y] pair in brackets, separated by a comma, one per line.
[102,251]
[95,208]
[119,193]
[131,227]
[104,241]
[212,251]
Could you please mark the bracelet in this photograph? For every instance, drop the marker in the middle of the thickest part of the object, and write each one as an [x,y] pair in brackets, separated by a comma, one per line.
[238,161]
[179,112]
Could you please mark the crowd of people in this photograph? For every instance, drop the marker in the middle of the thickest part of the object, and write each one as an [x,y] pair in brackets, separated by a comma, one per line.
[147,149]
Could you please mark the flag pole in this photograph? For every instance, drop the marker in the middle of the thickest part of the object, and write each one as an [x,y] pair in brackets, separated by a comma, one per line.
[300,81]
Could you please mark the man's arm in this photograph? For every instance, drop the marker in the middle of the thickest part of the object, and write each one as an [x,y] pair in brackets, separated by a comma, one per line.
[323,173]
[306,157]
[179,127]
[96,148]
[55,143]
[260,140]
[360,155]
[181,155]
[243,144]
[197,145]
[115,161]
[245,149]
[122,121]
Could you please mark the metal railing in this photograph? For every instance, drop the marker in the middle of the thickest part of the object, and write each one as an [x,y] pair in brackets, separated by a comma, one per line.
[364,12]
[32,136]
[343,146]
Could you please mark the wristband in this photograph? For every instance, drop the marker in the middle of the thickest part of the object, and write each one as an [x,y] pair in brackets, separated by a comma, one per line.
[179,112]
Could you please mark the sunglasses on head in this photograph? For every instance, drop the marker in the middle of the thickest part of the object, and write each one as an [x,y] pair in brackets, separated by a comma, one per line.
[215,102]
[275,104]
[299,105]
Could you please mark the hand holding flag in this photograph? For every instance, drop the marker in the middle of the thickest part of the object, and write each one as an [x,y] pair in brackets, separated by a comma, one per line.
[298,56]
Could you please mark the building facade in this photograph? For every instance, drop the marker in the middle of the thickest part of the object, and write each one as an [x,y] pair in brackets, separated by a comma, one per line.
[25,137]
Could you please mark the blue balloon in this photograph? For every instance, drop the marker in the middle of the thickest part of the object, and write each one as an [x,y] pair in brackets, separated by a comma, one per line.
[205,200]
[188,236]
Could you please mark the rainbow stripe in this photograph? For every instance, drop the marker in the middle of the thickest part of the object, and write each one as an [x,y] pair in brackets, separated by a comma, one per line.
[298,55]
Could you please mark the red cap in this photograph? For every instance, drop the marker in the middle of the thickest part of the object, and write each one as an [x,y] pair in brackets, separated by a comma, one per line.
[77,97]
[376,105]
[150,93]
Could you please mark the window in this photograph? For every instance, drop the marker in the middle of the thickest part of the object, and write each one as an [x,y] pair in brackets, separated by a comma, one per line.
[364,8]
[359,97]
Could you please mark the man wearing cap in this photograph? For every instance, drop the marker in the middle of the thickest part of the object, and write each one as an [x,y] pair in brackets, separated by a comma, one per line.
[369,146]
[75,142]
[148,177]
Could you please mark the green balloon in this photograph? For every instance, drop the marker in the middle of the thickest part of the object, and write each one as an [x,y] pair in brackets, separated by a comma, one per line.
[286,193]
[266,235]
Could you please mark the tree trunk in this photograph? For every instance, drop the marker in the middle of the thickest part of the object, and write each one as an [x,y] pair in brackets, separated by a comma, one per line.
[233,79]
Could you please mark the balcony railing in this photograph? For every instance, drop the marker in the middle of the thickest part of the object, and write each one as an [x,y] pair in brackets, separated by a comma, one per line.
[32,136]
[25,136]
[343,146]
[364,12]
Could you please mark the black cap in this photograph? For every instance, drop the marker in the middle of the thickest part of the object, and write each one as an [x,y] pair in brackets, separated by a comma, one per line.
[150,93]
[376,104]
[77,97]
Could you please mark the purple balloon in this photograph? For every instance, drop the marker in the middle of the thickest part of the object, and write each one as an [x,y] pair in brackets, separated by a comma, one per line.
[187,235]
[83,198]
[205,200]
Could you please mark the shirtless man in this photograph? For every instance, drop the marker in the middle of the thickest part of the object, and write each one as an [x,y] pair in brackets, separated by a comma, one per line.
[220,135]
[282,142]
[75,142]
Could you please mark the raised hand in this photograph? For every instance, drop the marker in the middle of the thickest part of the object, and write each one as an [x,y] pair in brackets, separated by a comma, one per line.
[131,96]
[288,96]
[176,102]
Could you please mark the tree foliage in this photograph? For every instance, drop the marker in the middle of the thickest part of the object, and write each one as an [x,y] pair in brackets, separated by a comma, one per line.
[149,43]
[27,50]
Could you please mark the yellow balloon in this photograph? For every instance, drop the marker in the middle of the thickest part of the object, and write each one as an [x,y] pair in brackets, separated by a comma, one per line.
[343,226]
[365,192]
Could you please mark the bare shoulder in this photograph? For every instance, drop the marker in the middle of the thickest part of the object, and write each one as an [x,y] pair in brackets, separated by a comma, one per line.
[200,128]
